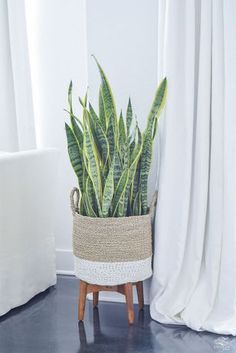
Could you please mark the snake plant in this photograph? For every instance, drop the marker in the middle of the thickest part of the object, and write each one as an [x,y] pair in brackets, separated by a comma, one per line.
[110,156]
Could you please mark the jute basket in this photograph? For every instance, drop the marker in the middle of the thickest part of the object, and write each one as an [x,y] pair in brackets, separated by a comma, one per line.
[113,250]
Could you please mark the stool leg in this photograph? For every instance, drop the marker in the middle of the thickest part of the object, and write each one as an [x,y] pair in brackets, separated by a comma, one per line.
[139,287]
[82,299]
[128,290]
[95,298]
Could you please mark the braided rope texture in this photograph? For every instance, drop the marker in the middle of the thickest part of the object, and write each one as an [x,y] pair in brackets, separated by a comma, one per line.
[112,273]
[112,239]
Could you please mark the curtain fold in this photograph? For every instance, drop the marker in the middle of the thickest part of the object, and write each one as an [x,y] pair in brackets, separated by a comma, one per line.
[194,280]
[17,127]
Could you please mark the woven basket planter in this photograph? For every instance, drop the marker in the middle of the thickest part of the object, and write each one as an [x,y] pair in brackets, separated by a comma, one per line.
[112,251]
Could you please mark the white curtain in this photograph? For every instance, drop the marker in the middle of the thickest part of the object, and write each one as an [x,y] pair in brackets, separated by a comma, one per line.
[17,131]
[194,280]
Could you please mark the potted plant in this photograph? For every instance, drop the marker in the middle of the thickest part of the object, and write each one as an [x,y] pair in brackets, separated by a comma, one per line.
[111,158]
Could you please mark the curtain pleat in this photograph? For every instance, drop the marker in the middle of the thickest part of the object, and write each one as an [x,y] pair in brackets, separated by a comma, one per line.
[17,126]
[191,279]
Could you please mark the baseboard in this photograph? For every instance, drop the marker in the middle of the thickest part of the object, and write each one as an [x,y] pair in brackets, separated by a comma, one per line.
[65,273]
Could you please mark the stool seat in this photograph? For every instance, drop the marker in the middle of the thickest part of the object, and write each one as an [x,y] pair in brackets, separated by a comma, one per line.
[126,289]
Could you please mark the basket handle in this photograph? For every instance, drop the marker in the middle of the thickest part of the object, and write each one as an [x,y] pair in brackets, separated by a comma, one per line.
[74,201]
[153,204]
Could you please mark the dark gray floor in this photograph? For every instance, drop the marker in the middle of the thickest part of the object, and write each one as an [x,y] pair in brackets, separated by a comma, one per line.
[48,324]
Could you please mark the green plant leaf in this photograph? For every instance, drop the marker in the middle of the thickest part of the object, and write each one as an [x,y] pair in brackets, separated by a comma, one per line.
[133,168]
[89,198]
[120,191]
[77,131]
[121,211]
[93,167]
[122,130]
[69,97]
[158,102]
[129,117]
[95,118]
[75,155]
[117,169]
[99,133]
[108,191]
[111,139]
[154,128]
[137,205]
[108,100]
[102,115]
[110,155]
[145,168]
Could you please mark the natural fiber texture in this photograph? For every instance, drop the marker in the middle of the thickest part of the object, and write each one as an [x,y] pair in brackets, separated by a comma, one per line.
[111,239]
[113,273]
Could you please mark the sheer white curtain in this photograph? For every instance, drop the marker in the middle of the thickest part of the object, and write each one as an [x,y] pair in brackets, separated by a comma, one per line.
[194,280]
[16,108]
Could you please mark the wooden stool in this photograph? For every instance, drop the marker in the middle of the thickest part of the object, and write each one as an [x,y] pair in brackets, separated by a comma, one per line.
[125,289]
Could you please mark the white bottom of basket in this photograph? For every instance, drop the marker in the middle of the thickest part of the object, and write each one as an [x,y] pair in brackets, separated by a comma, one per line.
[112,273]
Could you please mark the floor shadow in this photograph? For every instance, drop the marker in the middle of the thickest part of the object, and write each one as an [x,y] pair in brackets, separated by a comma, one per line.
[110,339]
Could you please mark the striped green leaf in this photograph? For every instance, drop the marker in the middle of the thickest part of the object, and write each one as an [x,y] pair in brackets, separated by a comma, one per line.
[145,168]
[100,135]
[89,198]
[129,117]
[95,118]
[117,169]
[93,167]
[102,115]
[149,133]
[77,130]
[111,138]
[158,102]
[135,182]
[137,209]
[122,130]
[108,100]
[110,155]
[69,98]
[108,191]
[120,191]
[121,211]
[75,155]
[154,128]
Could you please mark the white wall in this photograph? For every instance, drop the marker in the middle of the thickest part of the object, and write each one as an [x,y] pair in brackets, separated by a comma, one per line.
[123,36]
[58,53]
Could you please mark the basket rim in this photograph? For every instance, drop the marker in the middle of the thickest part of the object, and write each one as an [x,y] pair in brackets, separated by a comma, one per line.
[112,219]
[75,203]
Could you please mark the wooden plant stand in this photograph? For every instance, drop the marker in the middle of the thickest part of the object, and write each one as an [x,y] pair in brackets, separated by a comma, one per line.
[126,289]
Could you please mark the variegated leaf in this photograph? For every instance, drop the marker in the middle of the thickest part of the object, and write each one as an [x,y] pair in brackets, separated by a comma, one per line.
[120,191]
[75,155]
[158,102]
[93,167]
[108,191]
[100,136]
[129,117]
[108,100]
[102,115]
